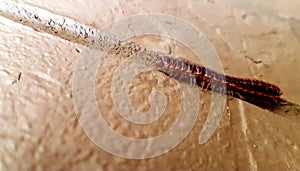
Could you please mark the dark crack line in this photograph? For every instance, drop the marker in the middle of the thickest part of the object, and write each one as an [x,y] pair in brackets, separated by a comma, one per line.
[253,60]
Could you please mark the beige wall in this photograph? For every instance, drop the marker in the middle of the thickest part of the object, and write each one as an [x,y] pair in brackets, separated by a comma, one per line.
[38,126]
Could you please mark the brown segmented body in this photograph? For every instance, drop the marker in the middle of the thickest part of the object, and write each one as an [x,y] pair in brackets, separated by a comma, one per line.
[216,82]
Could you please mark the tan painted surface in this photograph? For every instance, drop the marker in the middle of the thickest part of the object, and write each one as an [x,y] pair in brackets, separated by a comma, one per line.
[39,129]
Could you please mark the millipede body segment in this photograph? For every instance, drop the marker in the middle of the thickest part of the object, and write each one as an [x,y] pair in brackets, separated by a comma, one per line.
[210,80]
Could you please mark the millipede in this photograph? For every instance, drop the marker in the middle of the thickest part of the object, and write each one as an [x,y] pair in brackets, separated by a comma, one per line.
[208,79]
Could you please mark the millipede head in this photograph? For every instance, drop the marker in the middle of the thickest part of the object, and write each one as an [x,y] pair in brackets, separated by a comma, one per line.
[279,92]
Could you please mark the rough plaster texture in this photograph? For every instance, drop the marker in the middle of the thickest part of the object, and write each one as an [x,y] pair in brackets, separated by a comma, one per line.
[39,129]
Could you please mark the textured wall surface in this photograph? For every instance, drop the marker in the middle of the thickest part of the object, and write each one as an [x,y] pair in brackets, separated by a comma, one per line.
[39,128]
